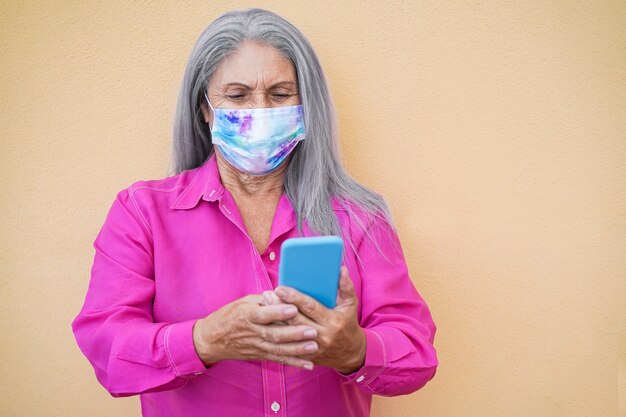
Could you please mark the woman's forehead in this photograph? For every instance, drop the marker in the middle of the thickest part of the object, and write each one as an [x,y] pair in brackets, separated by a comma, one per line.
[255,65]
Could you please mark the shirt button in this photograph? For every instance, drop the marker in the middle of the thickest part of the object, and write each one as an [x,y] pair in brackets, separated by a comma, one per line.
[272,256]
[361,378]
[197,373]
[275,407]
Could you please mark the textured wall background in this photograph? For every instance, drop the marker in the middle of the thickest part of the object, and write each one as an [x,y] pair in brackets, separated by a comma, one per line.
[496,131]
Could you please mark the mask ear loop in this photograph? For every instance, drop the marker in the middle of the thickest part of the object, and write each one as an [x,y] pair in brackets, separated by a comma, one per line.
[208,102]
[211,107]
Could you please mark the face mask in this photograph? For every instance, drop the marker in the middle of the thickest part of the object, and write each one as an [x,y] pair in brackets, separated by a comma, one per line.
[257,141]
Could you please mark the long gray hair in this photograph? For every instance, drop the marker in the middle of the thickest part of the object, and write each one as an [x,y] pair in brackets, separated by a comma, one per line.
[315,175]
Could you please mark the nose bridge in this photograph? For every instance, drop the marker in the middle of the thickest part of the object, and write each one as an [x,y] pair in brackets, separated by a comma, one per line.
[262,99]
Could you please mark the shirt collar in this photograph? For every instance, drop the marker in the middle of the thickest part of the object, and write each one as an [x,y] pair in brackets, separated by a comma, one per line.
[206,184]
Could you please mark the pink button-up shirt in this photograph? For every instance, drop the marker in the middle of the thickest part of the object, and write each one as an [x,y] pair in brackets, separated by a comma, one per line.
[174,250]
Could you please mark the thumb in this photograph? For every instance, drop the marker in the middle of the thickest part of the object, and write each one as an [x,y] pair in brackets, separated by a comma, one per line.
[346,287]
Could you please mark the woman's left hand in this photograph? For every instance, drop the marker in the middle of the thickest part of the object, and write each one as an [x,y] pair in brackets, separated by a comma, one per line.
[340,338]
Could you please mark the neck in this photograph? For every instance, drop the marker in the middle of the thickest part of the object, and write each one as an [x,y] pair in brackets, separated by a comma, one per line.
[251,186]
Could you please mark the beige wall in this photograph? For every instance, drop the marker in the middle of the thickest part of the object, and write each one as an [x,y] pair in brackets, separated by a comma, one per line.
[496,131]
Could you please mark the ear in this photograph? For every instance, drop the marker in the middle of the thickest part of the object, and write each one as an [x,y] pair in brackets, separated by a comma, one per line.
[206,112]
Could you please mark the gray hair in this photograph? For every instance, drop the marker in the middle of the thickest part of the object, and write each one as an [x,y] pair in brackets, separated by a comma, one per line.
[315,175]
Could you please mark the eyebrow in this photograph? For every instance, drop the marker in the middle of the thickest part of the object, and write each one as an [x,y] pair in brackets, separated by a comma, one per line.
[278,84]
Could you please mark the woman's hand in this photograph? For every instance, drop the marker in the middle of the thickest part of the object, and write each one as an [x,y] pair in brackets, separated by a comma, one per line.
[248,329]
[340,338]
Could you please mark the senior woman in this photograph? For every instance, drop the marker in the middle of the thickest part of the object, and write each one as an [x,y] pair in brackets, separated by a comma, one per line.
[183,306]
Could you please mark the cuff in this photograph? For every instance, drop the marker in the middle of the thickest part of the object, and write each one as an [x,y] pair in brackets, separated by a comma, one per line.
[181,351]
[375,360]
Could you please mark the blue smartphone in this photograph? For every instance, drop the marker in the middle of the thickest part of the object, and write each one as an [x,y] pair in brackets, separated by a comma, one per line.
[312,266]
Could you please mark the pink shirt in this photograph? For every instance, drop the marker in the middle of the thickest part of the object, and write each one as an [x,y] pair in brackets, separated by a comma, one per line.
[174,250]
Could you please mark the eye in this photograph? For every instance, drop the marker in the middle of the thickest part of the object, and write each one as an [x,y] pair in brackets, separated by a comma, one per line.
[236,97]
[281,96]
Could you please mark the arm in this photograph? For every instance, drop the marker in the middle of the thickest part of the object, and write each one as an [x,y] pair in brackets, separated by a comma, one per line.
[391,347]
[115,330]
[400,357]
[130,353]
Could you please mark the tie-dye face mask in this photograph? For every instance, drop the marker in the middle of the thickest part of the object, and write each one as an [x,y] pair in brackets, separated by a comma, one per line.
[256,141]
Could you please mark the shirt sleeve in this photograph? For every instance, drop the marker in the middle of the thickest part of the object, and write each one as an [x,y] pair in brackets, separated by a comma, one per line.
[115,329]
[400,357]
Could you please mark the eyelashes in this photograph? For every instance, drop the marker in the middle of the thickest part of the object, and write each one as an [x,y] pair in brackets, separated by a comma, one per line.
[242,97]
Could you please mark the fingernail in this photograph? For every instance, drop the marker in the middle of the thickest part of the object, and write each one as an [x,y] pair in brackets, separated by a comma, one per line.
[310,333]
[280,292]
[308,366]
[311,347]
[290,311]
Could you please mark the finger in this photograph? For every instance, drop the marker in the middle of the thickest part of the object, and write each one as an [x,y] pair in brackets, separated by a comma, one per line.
[302,320]
[306,305]
[290,349]
[346,287]
[270,298]
[254,299]
[291,361]
[269,314]
[286,334]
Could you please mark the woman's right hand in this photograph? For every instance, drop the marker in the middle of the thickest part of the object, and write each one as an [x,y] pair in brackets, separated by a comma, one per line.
[254,328]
